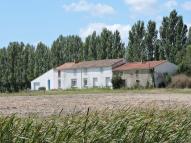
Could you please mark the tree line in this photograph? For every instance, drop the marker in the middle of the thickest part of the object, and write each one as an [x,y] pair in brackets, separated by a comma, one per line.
[20,63]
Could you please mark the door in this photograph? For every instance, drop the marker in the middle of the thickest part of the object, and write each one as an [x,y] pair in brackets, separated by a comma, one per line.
[48,84]
[108,81]
[95,82]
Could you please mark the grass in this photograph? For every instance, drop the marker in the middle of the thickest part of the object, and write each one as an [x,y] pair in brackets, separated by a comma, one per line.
[122,126]
[98,91]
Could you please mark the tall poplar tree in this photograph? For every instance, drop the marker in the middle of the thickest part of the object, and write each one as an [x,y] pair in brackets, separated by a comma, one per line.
[136,46]
[42,59]
[189,37]
[173,36]
[150,41]
[118,47]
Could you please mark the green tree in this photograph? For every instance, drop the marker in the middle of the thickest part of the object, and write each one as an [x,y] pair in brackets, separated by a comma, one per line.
[150,41]
[105,46]
[58,48]
[3,71]
[42,59]
[28,65]
[189,37]
[90,47]
[173,36]
[15,66]
[118,47]
[136,47]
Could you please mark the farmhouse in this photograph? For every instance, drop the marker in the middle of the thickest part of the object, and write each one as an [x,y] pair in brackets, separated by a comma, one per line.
[99,73]
[150,73]
[86,74]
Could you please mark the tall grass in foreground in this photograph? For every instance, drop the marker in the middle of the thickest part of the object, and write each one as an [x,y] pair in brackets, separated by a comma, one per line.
[130,126]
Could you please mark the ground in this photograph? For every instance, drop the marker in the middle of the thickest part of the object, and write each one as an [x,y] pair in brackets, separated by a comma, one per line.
[45,105]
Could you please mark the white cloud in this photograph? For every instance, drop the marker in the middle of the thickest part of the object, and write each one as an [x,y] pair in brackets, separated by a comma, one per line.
[186,5]
[171,4]
[94,9]
[140,5]
[98,27]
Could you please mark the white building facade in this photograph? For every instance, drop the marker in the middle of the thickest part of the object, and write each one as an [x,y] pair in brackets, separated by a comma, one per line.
[47,80]
[86,74]
[89,74]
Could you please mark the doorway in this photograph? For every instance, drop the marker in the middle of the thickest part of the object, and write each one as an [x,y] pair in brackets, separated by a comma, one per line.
[48,84]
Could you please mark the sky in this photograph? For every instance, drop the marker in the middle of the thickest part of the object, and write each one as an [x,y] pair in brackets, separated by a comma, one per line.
[32,21]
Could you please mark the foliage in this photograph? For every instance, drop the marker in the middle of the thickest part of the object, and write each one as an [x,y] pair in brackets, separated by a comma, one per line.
[185,65]
[136,47]
[173,36]
[151,41]
[42,88]
[129,125]
[117,82]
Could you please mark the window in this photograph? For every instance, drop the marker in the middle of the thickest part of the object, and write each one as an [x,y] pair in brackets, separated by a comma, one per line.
[73,83]
[59,83]
[36,85]
[137,82]
[107,81]
[85,71]
[101,69]
[95,82]
[59,73]
[85,82]
[75,72]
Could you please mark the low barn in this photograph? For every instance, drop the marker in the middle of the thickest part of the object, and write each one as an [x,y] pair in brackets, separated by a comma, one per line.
[150,73]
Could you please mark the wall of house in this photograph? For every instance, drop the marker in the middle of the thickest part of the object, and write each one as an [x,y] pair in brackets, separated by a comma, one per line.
[137,77]
[43,80]
[166,67]
[89,74]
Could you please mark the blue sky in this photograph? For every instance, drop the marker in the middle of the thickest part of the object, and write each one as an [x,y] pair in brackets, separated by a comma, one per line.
[44,20]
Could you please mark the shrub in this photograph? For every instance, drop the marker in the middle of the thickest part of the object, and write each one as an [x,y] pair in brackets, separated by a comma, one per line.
[180,81]
[42,88]
[118,82]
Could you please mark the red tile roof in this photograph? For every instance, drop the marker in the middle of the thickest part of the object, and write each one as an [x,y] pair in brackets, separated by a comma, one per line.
[139,65]
[65,66]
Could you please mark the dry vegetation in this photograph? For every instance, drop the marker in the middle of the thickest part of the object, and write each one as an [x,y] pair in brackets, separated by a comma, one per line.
[181,81]
[52,105]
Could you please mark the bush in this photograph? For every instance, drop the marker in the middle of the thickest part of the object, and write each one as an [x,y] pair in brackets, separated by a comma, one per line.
[42,88]
[118,82]
[180,81]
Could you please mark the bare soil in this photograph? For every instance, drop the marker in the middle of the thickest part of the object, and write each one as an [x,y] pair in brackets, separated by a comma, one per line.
[66,104]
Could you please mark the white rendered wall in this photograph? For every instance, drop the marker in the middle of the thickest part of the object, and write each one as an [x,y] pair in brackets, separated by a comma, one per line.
[43,80]
[68,75]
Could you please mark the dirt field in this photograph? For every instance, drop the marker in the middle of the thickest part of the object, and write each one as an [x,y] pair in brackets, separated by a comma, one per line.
[50,105]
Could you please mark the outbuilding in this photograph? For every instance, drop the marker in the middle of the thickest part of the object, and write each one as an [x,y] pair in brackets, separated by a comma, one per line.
[149,73]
